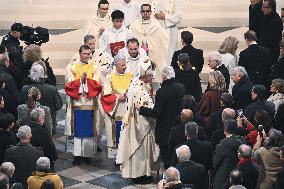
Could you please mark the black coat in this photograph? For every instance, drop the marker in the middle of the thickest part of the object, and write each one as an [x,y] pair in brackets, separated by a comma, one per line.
[41,138]
[195,57]
[280,179]
[268,106]
[277,70]
[193,173]
[190,79]
[257,61]
[215,122]
[279,118]
[24,157]
[7,138]
[255,17]
[242,93]
[224,70]
[167,107]
[270,33]
[250,172]
[225,159]
[10,84]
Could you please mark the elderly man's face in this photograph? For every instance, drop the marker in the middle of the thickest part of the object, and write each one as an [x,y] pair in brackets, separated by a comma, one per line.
[145,12]
[235,76]
[103,10]
[120,66]
[133,49]
[212,63]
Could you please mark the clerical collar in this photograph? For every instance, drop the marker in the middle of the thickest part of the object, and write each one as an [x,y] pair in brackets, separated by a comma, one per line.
[117,30]
[253,43]
[146,21]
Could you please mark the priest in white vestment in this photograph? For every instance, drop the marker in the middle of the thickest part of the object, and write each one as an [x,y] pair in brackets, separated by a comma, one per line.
[114,38]
[98,22]
[137,150]
[131,10]
[152,37]
[83,90]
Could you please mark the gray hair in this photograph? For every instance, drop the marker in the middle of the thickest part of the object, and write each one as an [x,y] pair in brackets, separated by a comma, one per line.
[24,132]
[119,57]
[191,129]
[4,181]
[43,164]
[88,38]
[172,174]
[168,72]
[245,151]
[241,71]
[8,169]
[183,153]
[37,71]
[228,113]
[36,113]
[215,56]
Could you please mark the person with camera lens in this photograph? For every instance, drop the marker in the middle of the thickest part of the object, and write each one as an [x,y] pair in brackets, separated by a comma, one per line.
[12,42]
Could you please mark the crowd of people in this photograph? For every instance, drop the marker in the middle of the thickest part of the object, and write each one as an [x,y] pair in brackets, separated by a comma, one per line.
[129,79]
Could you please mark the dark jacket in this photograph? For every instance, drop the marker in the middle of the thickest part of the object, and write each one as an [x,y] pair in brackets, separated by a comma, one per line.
[7,138]
[41,138]
[193,173]
[190,79]
[24,157]
[251,109]
[255,17]
[49,97]
[195,57]
[280,179]
[10,84]
[215,122]
[277,70]
[242,93]
[10,103]
[257,61]
[224,70]
[270,33]
[167,107]
[250,172]
[225,159]
[279,119]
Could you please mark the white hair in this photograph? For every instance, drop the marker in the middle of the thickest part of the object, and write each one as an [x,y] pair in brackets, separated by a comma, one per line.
[183,153]
[172,174]
[215,56]
[8,169]
[168,72]
[37,72]
[35,113]
[241,71]
[120,56]
[43,164]
[24,132]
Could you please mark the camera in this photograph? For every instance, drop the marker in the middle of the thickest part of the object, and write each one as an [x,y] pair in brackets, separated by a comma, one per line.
[38,35]
[240,112]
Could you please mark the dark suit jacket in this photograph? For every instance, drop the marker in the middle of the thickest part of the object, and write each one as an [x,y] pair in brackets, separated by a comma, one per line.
[24,157]
[277,70]
[255,17]
[241,93]
[195,57]
[167,107]
[250,172]
[257,61]
[224,70]
[193,173]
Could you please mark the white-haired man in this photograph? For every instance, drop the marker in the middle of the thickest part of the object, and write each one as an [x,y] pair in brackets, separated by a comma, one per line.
[215,63]
[115,87]
[137,150]
[23,156]
[241,91]
[42,174]
[167,107]
[190,171]
[171,179]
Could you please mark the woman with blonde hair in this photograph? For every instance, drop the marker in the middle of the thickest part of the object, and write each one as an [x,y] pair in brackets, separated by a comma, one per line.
[210,101]
[277,90]
[34,95]
[228,52]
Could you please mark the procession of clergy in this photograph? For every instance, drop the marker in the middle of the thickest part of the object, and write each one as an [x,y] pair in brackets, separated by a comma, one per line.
[116,70]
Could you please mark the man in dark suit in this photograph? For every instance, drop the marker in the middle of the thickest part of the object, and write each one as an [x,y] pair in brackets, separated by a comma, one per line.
[255,15]
[215,63]
[167,108]
[257,60]
[195,55]
[23,156]
[190,172]
[271,27]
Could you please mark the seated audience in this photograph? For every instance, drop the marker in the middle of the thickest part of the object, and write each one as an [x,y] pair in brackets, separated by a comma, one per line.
[225,158]
[23,156]
[277,90]
[242,89]
[7,136]
[33,98]
[171,179]
[210,101]
[258,94]
[188,77]
[41,138]
[190,172]
[42,174]
[236,180]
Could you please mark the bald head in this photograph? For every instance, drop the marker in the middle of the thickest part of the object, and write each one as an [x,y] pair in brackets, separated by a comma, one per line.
[228,113]
[186,115]
[245,151]
[172,174]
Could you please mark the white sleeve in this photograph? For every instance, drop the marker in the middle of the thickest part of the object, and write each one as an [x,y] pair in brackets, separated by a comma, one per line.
[103,43]
[173,19]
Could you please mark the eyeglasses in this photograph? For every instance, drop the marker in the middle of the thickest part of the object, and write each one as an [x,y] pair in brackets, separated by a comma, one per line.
[104,8]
